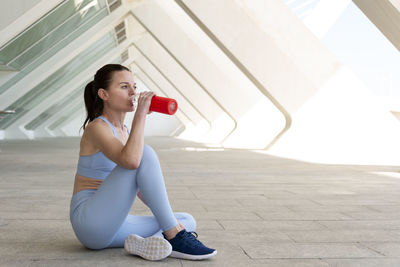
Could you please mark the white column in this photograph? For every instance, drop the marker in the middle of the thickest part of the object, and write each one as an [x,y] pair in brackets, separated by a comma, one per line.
[385,14]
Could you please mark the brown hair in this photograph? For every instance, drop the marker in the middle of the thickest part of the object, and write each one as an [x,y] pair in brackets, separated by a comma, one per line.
[102,79]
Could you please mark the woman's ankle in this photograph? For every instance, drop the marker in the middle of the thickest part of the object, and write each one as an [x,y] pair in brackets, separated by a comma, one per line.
[171,233]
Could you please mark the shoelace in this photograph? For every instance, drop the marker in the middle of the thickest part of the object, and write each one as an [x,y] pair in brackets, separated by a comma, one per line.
[194,233]
[191,239]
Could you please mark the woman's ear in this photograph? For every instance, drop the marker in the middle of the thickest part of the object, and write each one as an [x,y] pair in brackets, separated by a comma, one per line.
[103,94]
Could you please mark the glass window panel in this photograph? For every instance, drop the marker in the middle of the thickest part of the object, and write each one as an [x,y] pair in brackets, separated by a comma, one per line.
[6,68]
[74,96]
[77,109]
[58,79]
[42,27]
[50,51]
[35,123]
[50,40]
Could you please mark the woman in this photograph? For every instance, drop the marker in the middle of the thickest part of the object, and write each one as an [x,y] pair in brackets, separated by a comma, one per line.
[114,166]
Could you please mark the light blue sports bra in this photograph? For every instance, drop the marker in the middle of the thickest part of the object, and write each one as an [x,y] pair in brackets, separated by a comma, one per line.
[97,165]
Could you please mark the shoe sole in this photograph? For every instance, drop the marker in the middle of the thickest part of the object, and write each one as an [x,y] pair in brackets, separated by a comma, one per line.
[151,248]
[180,255]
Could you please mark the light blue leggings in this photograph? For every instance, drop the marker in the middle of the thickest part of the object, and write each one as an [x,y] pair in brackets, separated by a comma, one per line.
[100,217]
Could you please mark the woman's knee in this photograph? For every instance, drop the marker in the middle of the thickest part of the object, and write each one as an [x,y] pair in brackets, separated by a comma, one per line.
[149,157]
[148,152]
[94,242]
[92,235]
[187,220]
[95,246]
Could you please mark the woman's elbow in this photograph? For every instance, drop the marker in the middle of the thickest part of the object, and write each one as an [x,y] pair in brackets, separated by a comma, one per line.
[131,165]
[134,165]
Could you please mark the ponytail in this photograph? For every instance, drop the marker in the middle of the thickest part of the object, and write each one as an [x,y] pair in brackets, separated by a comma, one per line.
[102,79]
[94,104]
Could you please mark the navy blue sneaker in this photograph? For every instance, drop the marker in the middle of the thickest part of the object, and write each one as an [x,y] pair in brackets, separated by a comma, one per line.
[186,246]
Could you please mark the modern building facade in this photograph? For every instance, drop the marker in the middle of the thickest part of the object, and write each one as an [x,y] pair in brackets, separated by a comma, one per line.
[246,73]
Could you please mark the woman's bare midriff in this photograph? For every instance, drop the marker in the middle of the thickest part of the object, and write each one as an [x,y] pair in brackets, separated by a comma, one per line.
[82,183]
[87,149]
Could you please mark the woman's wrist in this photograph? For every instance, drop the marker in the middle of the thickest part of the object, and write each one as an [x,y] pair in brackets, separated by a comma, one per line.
[139,115]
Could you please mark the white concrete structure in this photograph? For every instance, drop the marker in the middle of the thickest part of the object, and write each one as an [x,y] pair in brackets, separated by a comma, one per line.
[385,14]
[246,74]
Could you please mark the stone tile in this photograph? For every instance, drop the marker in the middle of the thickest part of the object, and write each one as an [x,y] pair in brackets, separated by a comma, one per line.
[343,235]
[69,254]
[227,215]
[362,225]
[295,250]
[69,249]
[24,208]
[36,231]
[35,194]
[187,205]
[251,207]
[228,255]
[208,225]
[37,214]
[289,263]
[237,237]
[219,203]
[304,216]
[255,210]
[356,201]
[126,261]
[389,249]
[181,194]
[227,196]
[385,208]
[368,262]
[275,202]
[271,225]
[375,215]
[330,208]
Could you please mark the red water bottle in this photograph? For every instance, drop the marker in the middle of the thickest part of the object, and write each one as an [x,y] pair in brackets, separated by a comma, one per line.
[163,105]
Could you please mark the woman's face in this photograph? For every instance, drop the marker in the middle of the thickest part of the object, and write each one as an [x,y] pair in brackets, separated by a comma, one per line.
[121,91]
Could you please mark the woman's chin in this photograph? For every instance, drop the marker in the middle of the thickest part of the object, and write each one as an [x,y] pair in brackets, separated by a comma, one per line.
[131,109]
[128,110]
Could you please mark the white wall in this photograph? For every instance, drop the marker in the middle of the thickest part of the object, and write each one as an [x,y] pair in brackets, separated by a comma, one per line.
[13,9]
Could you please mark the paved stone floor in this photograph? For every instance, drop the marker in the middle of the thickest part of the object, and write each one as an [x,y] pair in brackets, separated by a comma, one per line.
[257,210]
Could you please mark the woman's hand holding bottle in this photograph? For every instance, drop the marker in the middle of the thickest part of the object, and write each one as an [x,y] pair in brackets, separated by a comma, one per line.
[157,103]
[143,102]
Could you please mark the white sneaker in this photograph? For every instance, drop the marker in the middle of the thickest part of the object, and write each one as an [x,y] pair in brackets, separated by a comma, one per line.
[151,248]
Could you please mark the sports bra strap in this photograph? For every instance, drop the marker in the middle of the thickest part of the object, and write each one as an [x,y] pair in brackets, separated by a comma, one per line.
[112,126]
[109,123]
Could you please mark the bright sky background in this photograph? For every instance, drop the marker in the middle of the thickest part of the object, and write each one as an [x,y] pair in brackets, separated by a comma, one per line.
[360,45]
[357,43]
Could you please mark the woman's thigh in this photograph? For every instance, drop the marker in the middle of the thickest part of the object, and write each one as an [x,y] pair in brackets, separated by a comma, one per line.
[96,221]
[115,196]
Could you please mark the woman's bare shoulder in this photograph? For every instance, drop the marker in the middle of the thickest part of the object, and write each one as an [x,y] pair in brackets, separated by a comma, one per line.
[92,130]
[98,131]
[97,126]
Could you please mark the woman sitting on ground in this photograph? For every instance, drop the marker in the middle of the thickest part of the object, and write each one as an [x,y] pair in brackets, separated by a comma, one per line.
[114,167]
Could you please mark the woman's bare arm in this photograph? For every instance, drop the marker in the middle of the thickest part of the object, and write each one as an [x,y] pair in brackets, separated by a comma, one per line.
[130,154]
